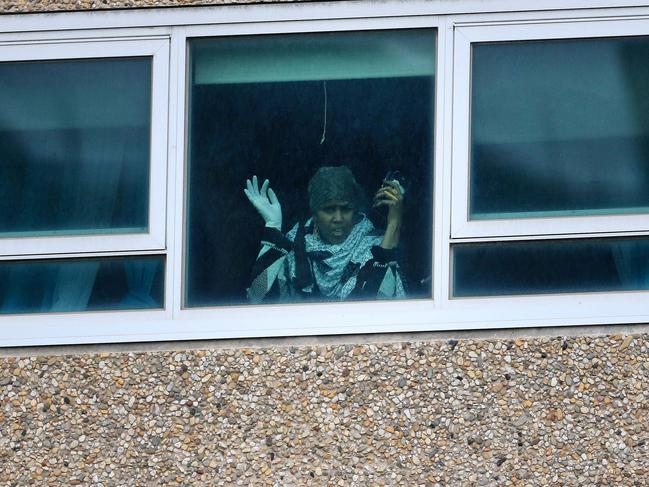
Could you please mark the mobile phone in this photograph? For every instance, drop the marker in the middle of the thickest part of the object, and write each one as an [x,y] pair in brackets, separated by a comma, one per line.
[396,176]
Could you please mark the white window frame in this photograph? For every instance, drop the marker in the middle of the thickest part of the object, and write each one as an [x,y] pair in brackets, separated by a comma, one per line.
[465,36]
[246,321]
[260,317]
[157,48]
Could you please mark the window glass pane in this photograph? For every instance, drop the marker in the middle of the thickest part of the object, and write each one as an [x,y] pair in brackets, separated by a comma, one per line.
[38,286]
[74,146]
[559,128]
[281,107]
[543,267]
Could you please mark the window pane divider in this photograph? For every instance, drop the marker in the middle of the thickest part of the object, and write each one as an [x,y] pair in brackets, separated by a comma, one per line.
[82,255]
[178,89]
[561,236]
[442,163]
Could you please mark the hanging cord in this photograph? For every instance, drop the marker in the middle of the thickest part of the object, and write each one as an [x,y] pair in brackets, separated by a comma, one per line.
[324,122]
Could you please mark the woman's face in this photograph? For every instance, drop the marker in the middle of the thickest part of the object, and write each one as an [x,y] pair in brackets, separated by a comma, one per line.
[334,221]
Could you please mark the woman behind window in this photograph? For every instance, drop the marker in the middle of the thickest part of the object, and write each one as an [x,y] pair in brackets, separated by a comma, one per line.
[336,254]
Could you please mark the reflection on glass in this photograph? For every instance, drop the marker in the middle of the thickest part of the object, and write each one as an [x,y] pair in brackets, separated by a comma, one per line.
[281,107]
[544,267]
[58,286]
[559,128]
[74,146]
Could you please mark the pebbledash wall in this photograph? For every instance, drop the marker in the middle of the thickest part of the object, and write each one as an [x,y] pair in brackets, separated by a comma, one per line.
[524,407]
[417,411]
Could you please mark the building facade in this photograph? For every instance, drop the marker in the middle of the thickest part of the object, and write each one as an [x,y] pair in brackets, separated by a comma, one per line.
[516,352]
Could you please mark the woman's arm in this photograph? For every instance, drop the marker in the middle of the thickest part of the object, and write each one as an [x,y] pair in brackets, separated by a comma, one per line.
[380,277]
[390,194]
[269,280]
[268,275]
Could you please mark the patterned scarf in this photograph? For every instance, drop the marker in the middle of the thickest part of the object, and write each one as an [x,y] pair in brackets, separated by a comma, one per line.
[335,266]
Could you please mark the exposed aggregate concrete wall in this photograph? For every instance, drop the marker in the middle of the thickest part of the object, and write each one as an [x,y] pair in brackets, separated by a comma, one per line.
[524,412]
[25,6]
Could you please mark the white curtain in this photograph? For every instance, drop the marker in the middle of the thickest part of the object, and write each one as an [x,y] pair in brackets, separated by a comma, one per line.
[139,278]
[89,169]
[632,262]
[91,192]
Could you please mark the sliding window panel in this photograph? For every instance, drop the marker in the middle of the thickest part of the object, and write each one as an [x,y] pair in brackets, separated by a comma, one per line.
[82,147]
[287,108]
[583,265]
[557,138]
[88,284]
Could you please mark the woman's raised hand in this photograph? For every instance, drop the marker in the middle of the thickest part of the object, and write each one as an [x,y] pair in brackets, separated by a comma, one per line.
[390,194]
[265,201]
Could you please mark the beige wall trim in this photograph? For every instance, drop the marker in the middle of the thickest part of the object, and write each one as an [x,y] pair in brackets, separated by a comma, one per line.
[566,332]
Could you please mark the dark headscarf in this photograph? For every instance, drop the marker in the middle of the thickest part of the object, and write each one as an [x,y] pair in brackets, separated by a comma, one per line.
[337,183]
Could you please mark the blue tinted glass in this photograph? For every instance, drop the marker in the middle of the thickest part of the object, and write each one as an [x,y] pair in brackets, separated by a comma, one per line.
[543,267]
[560,128]
[281,107]
[81,285]
[74,146]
